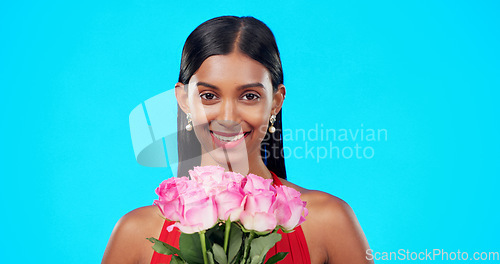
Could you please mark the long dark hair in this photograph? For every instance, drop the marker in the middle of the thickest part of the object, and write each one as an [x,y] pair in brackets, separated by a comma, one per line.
[221,36]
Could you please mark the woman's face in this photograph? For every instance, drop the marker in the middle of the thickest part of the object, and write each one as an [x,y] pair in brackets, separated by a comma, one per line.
[230,98]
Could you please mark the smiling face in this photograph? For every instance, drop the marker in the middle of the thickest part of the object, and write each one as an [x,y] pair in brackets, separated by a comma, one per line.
[230,98]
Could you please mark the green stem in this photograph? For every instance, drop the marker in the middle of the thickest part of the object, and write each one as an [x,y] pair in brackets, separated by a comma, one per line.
[203,247]
[247,246]
[226,235]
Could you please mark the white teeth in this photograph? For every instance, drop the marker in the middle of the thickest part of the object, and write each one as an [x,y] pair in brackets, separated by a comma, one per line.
[228,139]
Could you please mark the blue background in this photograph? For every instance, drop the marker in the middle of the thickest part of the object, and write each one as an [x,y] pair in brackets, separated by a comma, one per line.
[426,71]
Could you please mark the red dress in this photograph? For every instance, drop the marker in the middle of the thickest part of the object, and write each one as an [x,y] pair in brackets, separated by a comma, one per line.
[294,243]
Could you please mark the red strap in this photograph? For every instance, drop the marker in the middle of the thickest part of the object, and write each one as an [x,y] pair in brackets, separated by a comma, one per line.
[171,238]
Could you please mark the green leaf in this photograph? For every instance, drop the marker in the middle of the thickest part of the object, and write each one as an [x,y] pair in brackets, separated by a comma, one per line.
[190,247]
[261,245]
[263,233]
[279,256]
[255,259]
[235,242]
[210,257]
[177,260]
[219,254]
[162,247]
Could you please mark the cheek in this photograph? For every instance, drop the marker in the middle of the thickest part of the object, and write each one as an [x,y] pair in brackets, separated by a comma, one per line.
[258,121]
[204,115]
[201,114]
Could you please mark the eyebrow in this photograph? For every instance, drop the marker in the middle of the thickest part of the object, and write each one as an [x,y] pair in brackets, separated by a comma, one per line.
[241,87]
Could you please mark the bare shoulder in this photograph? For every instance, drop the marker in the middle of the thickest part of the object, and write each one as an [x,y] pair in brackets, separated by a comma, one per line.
[140,220]
[332,231]
[138,214]
[319,198]
[128,243]
[324,206]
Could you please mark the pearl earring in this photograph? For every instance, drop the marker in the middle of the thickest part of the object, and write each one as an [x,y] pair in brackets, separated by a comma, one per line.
[272,119]
[189,126]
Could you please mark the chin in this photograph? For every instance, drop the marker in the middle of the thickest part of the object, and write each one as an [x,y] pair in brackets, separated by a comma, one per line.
[221,155]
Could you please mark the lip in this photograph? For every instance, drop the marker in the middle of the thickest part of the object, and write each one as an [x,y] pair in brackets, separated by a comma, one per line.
[227,145]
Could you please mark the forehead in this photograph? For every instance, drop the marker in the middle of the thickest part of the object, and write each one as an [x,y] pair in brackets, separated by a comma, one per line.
[232,69]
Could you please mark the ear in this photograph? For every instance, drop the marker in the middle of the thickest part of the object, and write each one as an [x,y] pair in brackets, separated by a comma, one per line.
[278,98]
[182,97]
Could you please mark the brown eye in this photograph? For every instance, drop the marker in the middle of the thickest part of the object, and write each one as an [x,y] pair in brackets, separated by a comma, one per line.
[251,97]
[208,96]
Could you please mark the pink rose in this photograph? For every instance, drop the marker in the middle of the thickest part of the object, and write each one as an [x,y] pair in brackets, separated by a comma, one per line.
[290,209]
[255,183]
[186,202]
[200,212]
[169,201]
[258,214]
[231,176]
[210,177]
[230,203]
[203,173]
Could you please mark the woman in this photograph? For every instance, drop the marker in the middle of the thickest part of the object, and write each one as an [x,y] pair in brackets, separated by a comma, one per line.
[230,93]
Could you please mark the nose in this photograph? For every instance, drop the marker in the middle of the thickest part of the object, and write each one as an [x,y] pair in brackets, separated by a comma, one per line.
[228,116]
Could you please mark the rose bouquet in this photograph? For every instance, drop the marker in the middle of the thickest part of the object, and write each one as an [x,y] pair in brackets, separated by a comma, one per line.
[226,217]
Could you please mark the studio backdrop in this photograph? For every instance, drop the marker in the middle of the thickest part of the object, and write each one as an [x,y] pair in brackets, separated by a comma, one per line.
[391,106]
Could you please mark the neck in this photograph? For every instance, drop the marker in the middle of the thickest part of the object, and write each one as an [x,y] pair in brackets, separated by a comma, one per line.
[253,164]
